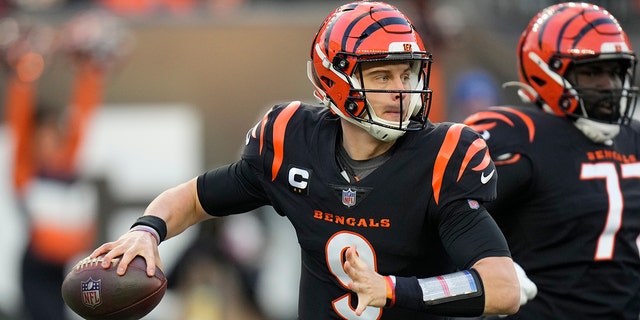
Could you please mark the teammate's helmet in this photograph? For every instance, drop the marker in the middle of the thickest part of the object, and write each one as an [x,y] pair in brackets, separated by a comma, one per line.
[369,31]
[567,35]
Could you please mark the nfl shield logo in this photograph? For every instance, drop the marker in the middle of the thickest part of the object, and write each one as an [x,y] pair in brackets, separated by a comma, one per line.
[349,197]
[91,293]
[473,204]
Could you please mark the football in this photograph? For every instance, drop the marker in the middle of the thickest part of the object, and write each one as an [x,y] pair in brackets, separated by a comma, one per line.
[96,293]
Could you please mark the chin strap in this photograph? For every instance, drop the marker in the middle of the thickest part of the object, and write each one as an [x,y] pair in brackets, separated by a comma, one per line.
[598,132]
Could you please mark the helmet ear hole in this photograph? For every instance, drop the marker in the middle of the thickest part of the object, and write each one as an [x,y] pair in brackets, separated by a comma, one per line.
[340,63]
[351,106]
[555,64]
[564,103]
[328,82]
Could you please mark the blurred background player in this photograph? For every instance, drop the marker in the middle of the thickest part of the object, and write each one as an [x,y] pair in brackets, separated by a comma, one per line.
[60,208]
[569,176]
[369,248]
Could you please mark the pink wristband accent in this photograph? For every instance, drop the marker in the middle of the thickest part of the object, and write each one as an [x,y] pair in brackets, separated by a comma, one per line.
[147,229]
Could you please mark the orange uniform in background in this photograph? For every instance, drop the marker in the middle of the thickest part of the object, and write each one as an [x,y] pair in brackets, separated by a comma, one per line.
[61,208]
[51,153]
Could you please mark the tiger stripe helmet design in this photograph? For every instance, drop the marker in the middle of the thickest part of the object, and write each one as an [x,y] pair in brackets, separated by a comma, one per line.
[369,31]
[569,34]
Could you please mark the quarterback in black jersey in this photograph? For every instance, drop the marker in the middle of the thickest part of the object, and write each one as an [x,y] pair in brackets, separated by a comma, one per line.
[387,206]
[569,177]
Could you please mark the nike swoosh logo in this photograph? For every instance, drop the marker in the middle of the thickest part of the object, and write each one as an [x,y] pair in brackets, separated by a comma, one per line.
[484,179]
[485,135]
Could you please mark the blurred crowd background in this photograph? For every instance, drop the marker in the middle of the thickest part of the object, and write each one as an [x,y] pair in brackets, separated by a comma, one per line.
[177,84]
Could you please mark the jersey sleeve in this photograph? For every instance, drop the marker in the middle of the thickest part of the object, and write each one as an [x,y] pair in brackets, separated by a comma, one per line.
[244,185]
[468,179]
[230,189]
[240,187]
[264,149]
[508,131]
[469,234]
[463,168]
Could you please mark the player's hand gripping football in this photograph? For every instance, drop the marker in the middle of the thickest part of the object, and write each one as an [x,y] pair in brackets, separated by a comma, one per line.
[365,282]
[130,245]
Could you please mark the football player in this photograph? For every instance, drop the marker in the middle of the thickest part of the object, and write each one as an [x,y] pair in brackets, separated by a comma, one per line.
[569,177]
[386,205]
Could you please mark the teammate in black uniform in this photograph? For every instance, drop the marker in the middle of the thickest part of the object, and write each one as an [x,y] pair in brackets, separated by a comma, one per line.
[387,206]
[569,177]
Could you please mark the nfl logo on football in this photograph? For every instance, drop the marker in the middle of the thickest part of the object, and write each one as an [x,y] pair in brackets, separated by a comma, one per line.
[349,197]
[91,293]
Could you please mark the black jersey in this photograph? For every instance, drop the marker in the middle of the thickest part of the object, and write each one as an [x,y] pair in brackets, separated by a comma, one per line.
[405,217]
[573,224]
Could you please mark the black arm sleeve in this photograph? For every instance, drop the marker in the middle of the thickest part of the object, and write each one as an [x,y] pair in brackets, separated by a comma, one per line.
[230,189]
[469,234]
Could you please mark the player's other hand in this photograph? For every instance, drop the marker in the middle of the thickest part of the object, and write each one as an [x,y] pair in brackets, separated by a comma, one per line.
[528,289]
[365,282]
[128,246]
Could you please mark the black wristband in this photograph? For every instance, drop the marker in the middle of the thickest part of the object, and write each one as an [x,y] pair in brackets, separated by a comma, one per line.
[153,222]
[408,293]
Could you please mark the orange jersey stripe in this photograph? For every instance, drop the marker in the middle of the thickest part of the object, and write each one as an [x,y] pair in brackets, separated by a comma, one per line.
[482,127]
[525,118]
[279,129]
[264,120]
[483,115]
[484,163]
[477,146]
[444,155]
